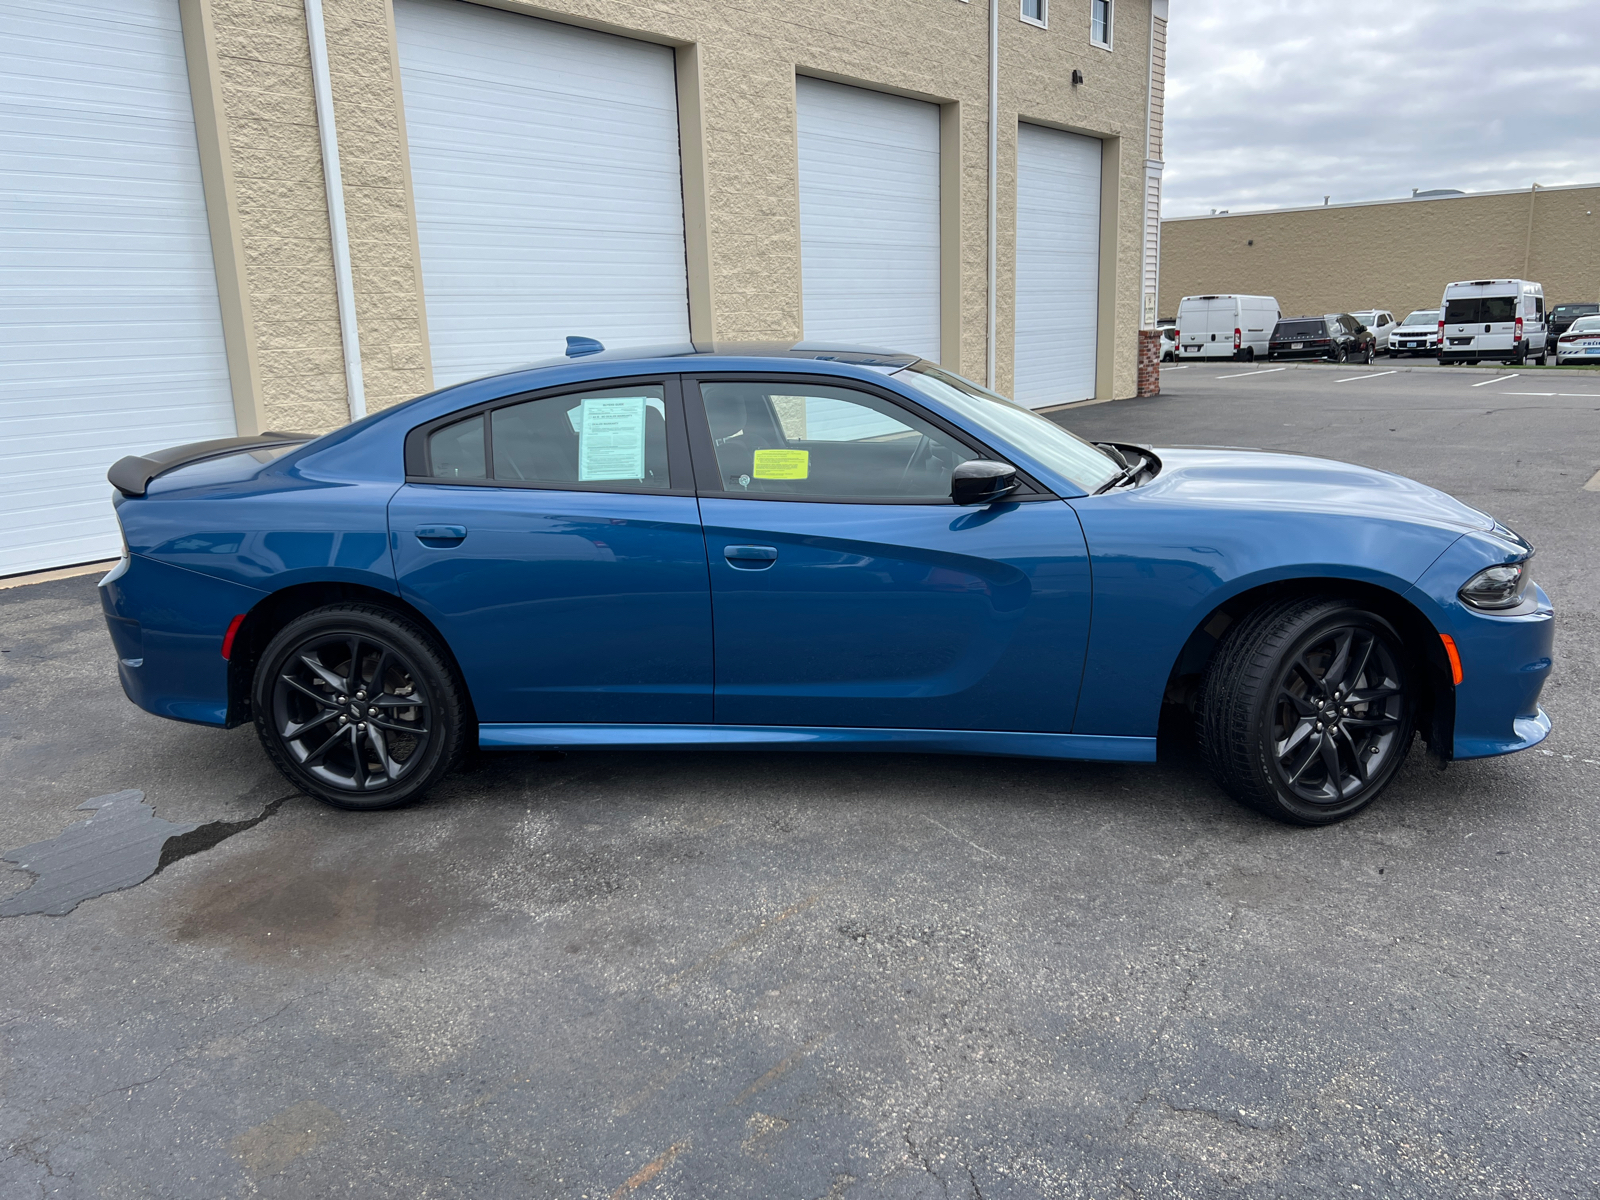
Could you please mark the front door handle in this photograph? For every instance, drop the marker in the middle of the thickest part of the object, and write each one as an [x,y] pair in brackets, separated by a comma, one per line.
[750,558]
[441,535]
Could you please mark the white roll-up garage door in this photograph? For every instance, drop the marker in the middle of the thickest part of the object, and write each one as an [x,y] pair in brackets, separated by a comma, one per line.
[549,201]
[869,217]
[1058,266]
[110,333]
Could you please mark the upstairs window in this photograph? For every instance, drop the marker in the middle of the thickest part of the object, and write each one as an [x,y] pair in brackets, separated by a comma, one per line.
[1033,12]
[1100,22]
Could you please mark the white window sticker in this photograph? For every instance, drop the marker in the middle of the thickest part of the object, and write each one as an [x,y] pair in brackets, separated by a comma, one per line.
[611,438]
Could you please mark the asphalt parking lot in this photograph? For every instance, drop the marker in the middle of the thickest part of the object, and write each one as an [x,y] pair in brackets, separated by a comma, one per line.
[704,975]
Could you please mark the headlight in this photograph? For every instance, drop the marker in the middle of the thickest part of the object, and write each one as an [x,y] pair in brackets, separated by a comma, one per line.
[1496,587]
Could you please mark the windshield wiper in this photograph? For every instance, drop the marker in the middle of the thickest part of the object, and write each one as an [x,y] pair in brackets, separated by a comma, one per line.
[1129,471]
[1122,476]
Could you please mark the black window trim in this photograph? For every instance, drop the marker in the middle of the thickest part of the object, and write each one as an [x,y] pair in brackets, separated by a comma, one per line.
[708,477]
[679,458]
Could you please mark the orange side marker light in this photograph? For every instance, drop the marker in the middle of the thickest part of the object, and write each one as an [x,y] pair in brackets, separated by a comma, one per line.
[233,628]
[1455,659]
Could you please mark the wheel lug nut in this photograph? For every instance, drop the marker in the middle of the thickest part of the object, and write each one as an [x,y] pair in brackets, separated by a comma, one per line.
[344,699]
[372,712]
[361,727]
[343,720]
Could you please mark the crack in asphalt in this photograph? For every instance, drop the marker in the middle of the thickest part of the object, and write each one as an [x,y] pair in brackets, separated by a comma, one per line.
[123,844]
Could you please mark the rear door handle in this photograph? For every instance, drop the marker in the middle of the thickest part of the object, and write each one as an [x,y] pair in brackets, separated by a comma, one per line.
[441,535]
[750,558]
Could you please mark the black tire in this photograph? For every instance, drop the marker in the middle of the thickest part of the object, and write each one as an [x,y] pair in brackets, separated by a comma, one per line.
[383,752]
[1339,355]
[1267,723]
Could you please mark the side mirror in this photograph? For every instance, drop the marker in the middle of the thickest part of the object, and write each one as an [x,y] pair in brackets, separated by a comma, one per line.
[980,481]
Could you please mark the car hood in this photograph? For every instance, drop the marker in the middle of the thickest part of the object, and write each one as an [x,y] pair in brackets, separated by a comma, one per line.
[1415,328]
[1233,478]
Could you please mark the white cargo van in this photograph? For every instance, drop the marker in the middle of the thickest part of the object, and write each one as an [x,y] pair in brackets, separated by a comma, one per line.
[1499,319]
[1236,327]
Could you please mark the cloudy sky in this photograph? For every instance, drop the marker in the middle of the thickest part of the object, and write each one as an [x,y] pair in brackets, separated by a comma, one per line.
[1281,102]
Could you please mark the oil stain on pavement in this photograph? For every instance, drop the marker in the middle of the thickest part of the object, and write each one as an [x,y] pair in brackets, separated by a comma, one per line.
[121,845]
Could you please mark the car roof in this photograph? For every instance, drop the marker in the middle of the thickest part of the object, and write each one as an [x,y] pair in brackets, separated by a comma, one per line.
[857,356]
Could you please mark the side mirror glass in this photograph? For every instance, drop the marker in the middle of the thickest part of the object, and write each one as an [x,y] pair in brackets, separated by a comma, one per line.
[981,481]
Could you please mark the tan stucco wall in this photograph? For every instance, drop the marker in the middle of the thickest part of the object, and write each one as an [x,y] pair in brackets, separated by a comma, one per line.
[1397,256]
[749,270]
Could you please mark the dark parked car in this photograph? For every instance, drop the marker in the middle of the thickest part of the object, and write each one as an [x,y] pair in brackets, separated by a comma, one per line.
[1561,318]
[1336,337]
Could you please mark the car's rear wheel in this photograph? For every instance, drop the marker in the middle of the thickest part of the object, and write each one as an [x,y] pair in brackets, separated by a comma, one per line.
[1307,709]
[358,707]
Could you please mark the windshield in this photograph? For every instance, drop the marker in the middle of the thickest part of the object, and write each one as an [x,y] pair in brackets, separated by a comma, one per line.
[1052,445]
[1585,325]
[1565,312]
[1312,328]
[1471,309]
[1423,316]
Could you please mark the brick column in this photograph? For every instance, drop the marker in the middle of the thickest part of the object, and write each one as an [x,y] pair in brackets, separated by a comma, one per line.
[1149,362]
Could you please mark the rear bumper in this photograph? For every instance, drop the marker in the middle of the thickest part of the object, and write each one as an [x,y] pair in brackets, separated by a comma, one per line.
[167,625]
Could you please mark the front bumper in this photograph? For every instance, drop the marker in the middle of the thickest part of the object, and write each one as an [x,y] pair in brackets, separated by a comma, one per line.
[1505,657]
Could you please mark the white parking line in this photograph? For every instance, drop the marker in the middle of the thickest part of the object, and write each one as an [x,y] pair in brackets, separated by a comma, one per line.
[1185,367]
[1374,375]
[1524,393]
[1591,395]
[1242,374]
[1498,379]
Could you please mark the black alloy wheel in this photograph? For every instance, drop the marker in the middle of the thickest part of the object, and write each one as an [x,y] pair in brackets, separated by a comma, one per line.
[356,706]
[1307,709]
[1339,355]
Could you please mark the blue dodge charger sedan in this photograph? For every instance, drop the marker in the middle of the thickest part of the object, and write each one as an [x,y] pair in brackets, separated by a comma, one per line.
[803,547]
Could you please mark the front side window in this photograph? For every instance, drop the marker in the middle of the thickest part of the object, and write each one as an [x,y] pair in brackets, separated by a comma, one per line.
[1100,22]
[614,436]
[813,442]
[1033,11]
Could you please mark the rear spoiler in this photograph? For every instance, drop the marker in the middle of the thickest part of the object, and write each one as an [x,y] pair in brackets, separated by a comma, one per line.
[132,475]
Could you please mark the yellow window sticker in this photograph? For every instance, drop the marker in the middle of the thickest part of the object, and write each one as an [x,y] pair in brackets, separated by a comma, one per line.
[782,464]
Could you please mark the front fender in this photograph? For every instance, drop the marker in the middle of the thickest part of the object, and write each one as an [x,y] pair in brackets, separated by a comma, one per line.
[1159,571]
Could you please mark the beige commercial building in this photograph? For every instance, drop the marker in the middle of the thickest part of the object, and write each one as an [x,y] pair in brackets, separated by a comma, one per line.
[1391,254]
[238,215]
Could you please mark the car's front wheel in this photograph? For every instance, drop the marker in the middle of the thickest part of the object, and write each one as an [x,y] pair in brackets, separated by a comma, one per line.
[358,707]
[1307,709]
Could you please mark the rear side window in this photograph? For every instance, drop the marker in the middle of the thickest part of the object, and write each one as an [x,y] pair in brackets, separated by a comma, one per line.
[1468,310]
[615,436]
[1299,329]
